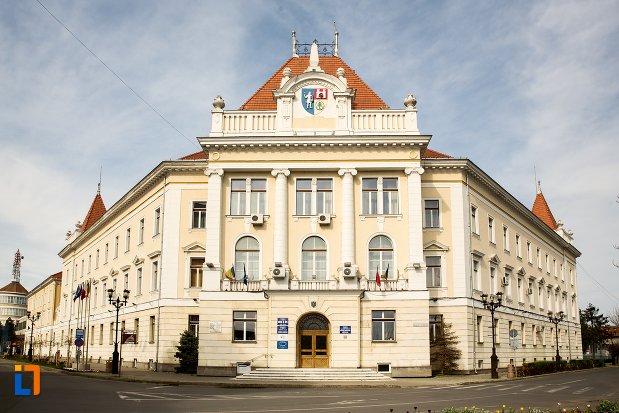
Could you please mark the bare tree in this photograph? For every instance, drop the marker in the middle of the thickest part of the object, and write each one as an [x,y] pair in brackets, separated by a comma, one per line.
[614,317]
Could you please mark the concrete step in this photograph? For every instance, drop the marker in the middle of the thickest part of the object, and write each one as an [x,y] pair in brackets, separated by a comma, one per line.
[305,374]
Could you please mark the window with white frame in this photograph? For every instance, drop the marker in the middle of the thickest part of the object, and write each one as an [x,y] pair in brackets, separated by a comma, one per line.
[506,283]
[116,241]
[379,196]
[540,296]
[474,220]
[529,256]
[248,196]
[151,330]
[433,271]
[82,269]
[198,214]
[518,246]
[476,275]
[480,329]
[380,255]
[547,261]
[193,321]
[247,258]
[314,259]
[141,232]
[554,267]
[436,326]
[505,238]
[126,280]
[89,263]
[431,213]
[127,239]
[383,325]
[106,253]
[138,287]
[195,271]
[520,289]
[154,276]
[97,259]
[314,196]
[491,236]
[244,323]
[157,221]
[94,297]
[539,258]
[493,288]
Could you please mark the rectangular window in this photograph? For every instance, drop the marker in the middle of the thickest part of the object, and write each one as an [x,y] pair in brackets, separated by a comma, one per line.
[238,197]
[100,334]
[314,196]
[547,261]
[126,279]
[534,335]
[128,240]
[240,189]
[154,276]
[151,330]
[198,214]
[518,246]
[89,263]
[539,258]
[304,197]
[324,196]
[431,213]
[433,271]
[138,287]
[505,238]
[111,333]
[474,220]
[104,293]
[497,331]
[476,275]
[116,247]
[529,257]
[520,289]
[244,325]
[194,324]
[258,196]
[94,297]
[480,333]
[97,259]
[554,267]
[493,288]
[491,230]
[157,222]
[436,327]
[92,335]
[141,232]
[136,328]
[106,253]
[82,269]
[114,284]
[195,268]
[379,196]
[383,325]
[523,334]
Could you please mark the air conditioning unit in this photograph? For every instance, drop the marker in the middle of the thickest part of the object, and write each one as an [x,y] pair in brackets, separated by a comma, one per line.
[324,219]
[530,291]
[505,280]
[348,271]
[257,219]
[278,272]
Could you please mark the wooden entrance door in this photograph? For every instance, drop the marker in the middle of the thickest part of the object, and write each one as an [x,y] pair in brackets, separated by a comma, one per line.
[314,342]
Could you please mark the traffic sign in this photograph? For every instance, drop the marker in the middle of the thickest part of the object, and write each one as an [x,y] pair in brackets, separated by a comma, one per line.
[79,333]
[79,342]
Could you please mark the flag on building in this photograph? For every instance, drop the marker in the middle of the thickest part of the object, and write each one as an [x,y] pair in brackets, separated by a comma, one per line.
[88,288]
[78,292]
[377,277]
[230,273]
[83,293]
[386,274]
[244,275]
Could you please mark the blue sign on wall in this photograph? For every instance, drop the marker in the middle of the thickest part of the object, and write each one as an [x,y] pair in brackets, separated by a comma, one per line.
[282,326]
[345,329]
[282,345]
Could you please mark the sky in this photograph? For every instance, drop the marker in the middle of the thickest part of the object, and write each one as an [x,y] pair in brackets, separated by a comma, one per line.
[522,88]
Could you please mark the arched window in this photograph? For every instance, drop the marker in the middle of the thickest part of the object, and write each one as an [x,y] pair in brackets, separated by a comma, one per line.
[381,257]
[247,258]
[314,259]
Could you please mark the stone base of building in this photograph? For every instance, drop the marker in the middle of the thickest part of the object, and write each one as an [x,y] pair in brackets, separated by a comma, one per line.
[419,371]
[217,371]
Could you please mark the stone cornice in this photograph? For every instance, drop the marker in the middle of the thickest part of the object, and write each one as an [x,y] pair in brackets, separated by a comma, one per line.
[153,178]
[480,176]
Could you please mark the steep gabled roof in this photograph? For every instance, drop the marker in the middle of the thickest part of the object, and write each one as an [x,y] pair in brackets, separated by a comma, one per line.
[196,156]
[542,210]
[96,211]
[429,153]
[365,97]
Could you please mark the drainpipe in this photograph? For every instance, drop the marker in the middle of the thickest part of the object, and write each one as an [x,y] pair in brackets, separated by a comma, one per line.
[474,317]
[360,364]
[165,180]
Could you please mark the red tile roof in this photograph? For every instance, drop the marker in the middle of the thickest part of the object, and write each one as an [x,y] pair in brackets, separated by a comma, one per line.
[96,211]
[365,98]
[542,211]
[196,156]
[14,287]
[429,153]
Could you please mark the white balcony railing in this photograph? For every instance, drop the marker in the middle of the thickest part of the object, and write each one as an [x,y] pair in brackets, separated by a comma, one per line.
[249,121]
[237,285]
[379,121]
[317,285]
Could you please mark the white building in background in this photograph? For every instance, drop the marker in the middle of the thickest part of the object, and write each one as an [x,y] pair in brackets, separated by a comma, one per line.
[317,229]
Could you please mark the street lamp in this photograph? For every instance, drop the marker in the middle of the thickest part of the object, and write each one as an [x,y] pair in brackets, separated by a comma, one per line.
[117,303]
[32,318]
[492,305]
[556,319]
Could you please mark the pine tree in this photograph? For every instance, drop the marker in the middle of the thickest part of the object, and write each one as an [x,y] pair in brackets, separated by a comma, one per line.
[444,353]
[187,353]
[594,328]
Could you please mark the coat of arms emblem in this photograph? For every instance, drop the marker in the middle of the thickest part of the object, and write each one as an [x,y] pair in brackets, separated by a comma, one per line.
[314,100]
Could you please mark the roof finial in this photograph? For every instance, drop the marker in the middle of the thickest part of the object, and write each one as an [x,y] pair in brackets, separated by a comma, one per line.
[313,60]
[539,187]
[99,184]
[336,41]
[294,44]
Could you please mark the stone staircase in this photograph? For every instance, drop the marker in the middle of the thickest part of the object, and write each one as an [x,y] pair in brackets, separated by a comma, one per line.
[299,375]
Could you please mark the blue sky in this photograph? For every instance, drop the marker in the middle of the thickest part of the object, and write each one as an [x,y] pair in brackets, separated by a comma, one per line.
[509,85]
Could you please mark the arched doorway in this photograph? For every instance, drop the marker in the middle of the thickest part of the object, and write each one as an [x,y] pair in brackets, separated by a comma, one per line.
[313,347]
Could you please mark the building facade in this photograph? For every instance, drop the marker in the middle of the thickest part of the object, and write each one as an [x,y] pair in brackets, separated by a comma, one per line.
[317,229]
[44,299]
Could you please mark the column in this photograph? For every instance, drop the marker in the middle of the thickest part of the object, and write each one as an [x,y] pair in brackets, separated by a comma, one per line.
[212,262]
[416,265]
[280,230]
[348,215]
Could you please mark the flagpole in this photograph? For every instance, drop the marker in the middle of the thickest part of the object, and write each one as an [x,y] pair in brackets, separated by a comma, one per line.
[88,320]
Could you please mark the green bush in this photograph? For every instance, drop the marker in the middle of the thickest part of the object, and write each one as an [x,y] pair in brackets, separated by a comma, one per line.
[607,406]
[547,366]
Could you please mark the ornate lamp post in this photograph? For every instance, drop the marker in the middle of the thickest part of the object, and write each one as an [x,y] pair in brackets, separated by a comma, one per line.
[117,303]
[492,305]
[32,318]
[556,319]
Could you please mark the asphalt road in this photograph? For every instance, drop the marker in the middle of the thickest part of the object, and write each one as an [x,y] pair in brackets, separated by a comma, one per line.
[61,392]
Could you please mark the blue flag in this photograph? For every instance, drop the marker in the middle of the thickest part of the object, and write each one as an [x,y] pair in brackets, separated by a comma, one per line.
[78,292]
[244,275]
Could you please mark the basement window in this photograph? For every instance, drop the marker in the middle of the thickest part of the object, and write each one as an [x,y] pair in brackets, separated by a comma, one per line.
[384,367]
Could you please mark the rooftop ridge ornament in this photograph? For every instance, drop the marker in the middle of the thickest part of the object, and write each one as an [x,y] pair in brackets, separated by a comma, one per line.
[314,59]
[324,49]
[17,266]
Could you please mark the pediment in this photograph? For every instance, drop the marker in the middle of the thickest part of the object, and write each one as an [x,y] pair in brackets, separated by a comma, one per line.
[478,253]
[494,259]
[137,260]
[113,273]
[125,268]
[435,246]
[194,247]
[521,271]
[154,254]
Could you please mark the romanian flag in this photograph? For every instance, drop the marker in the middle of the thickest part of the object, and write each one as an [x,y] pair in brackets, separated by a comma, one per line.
[230,273]
[83,293]
[377,277]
